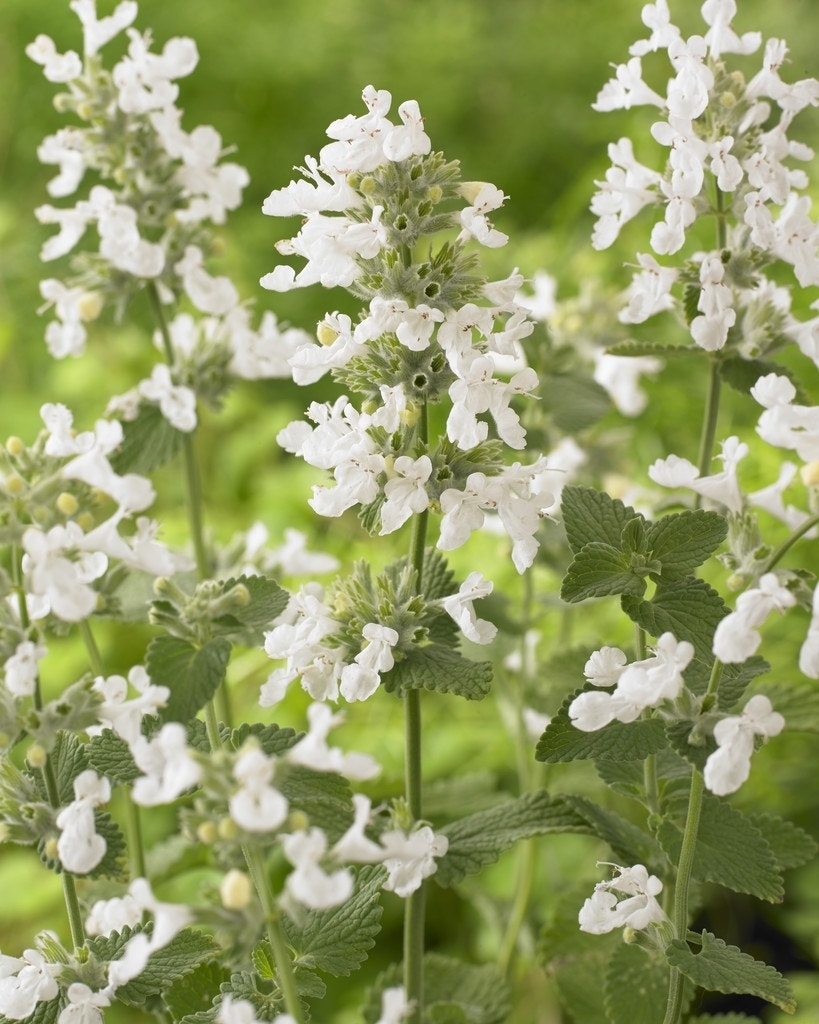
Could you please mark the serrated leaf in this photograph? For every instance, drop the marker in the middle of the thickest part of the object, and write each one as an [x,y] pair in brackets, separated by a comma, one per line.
[632,347]
[630,741]
[791,845]
[590,515]
[628,777]
[149,441]
[575,402]
[246,624]
[439,668]
[724,1018]
[635,987]
[324,797]
[480,838]
[742,374]
[730,851]
[683,541]
[109,754]
[273,739]
[114,863]
[195,992]
[192,674]
[719,967]
[183,954]
[629,844]
[337,941]
[689,608]
[76,708]
[600,570]
[68,759]
[735,680]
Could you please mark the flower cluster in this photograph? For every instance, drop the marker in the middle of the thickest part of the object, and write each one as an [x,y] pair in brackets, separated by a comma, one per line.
[432,330]
[635,907]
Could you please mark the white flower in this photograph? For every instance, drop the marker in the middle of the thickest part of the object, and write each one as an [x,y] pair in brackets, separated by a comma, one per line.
[730,764]
[809,652]
[79,847]
[620,375]
[360,680]
[722,487]
[256,806]
[242,1011]
[410,858]
[309,883]
[176,402]
[99,31]
[737,636]
[59,571]
[84,1005]
[22,668]
[459,606]
[604,667]
[57,67]
[168,764]
[394,1006]
[214,295]
[710,330]
[474,222]
[405,492]
[313,752]
[603,911]
[25,982]
[354,844]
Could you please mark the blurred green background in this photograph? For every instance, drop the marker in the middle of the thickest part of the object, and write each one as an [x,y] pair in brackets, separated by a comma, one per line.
[506,87]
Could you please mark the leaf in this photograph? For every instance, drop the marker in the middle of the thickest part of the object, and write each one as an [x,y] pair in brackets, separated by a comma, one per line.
[742,374]
[114,863]
[439,668]
[635,987]
[323,796]
[628,843]
[736,679]
[689,608]
[719,967]
[730,851]
[631,741]
[480,838]
[109,754]
[76,708]
[186,950]
[632,347]
[590,515]
[337,941]
[246,623]
[791,846]
[575,402]
[149,441]
[195,992]
[600,570]
[191,674]
[684,540]
[724,1018]
[273,739]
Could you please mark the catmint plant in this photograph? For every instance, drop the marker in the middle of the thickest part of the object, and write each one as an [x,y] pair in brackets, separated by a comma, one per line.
[679,712]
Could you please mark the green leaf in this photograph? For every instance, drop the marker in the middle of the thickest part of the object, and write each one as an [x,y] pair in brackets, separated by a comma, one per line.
[114,863]
[149,441]
[742,374]
[337,941]
[439,668]
[195,992]
[724,1018]
[635,987]
[246,624]
[575,402]
[689,608]
[273,739]
[632,347]
[167,965]
[191,674]
[591,516]
[626,741]
[109,754]
[76,708]
[600,570]
[730,851]
[480,838]
[735,680]
[323,796]
[791,846]
[685,540]
[719,967]
[628,843]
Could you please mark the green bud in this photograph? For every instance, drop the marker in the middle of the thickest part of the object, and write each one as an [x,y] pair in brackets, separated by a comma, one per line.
[50,848]
[15,484]
[15,446]
[67,504]
[297,821]
[435,193]
[207,833]
[227,828]
[236,890]
[367,185]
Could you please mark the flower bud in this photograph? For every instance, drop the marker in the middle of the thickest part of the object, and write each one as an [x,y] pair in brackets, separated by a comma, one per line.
[85,521]
[15,446]
[367,185]
[4,832]
[15,484]
[727,100]
[50,848]
[89,306]
[297,821]
[810,474]
[67,504]
[227,828]
[435,193]
[236,890]
[207,833]
[325,334]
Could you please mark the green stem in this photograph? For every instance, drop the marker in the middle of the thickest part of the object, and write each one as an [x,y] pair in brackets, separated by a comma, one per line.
[414,905]
[192,481]
[91,648]
[710,417]
[788,543]
[685,868]
[281,957]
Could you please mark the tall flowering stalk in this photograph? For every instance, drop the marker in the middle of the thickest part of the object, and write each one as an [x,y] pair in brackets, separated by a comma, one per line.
[727,167]
[390,220]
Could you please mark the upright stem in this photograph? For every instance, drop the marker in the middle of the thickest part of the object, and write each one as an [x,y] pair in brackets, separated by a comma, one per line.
[710,417]
[192,481]
[275,936]
[685,868]
[414,905]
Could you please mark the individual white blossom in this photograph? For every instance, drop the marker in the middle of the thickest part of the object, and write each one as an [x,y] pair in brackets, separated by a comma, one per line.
[22,668]
[730,764]
[257,806]
[168,765]
[59,571]
[242,1011]
[312,749]
[809,651]
[722,487]
[620,376]
[405,492]
[84,1006]
[79,847]
[737,636]
[361,678]
[26,981]
[309,884]
[394,1006]
[460,607]
[410,857]
[628,900]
